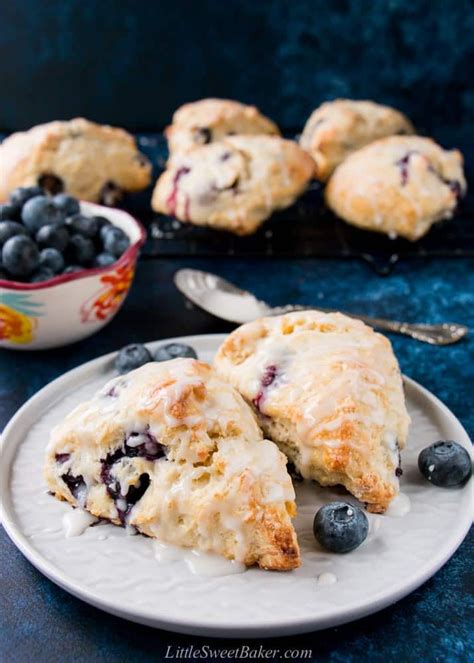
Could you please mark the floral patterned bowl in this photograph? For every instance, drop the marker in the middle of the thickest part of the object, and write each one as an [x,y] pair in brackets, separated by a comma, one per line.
[69,307]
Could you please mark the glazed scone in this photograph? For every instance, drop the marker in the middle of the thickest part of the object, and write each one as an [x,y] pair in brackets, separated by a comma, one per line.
[399,186]
[338,128]
[174,451]
[210,120]
[327,389]
[233,184]
[90,161]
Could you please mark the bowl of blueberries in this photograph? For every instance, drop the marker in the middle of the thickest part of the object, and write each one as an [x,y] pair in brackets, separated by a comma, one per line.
[66,267]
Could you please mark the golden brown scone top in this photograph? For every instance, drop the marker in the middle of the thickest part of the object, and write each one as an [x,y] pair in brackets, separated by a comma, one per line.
[209,120]
[327,389]
[78,156]
[399,185]
[233,184]
[338,128]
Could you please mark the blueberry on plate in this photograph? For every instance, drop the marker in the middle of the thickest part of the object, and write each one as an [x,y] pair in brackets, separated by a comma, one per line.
[51,259]
[40,211]
[42,274]
[72,269]
[67,204]
[55,237]
[88,226]
[23,193]
[340,527]
[131,357]
[445,463]
[81,250]
[104,259]
[173,351]
[115,240]
[9,212]
[10,229]
[20,256]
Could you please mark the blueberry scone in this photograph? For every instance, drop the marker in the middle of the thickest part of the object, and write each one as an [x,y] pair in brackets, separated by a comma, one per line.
[209,120]
[90,161]
[233,184]
[399,185]
[338,128]
[175,452]
[327,389]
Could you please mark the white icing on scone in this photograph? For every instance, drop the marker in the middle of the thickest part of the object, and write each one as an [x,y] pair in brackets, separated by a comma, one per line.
[174,451]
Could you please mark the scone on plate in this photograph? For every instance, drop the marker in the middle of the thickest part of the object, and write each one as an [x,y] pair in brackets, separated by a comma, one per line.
[174,451]
[209,120]
[233,184]
[399,185]
[338,128]
[327,389]
[90,161]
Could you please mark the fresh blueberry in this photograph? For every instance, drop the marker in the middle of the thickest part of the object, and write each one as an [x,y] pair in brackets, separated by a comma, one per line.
[67,204]
[340,527]
[115,240]
[102,222]
[71,269]
[445,464]
[173,351]
[42,274]
[88,226]
[55,237]
[81,250]
[131,357]
[40,211]
[52,259]
[20,256]
[19,196]
[104,259]
[9,212]
[10,229]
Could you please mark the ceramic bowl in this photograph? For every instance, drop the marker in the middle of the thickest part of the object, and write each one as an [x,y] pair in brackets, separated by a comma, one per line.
[69,307]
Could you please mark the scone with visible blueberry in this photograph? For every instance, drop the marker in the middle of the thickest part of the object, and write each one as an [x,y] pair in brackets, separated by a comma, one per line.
[399,185]
[174,451]
[90,161]
[338,128]
[209,120]
[328,390]
[233,184]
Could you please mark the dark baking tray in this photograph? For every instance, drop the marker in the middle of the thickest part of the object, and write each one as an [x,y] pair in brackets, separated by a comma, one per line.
[307,229]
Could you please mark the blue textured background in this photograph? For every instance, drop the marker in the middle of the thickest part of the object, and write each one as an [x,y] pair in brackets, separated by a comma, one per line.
[132,63]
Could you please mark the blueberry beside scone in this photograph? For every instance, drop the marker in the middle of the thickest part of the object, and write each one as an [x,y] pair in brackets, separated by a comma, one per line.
[338,128]
[209,120]
[90,161]
[399,185]
[233,184]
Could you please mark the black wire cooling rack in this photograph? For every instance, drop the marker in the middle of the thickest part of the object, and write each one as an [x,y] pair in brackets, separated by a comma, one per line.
[305,230]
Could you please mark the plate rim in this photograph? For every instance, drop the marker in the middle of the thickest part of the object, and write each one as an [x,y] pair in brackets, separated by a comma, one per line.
[199,626]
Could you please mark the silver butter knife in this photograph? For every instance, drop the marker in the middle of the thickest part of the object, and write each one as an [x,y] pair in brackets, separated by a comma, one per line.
[228,302]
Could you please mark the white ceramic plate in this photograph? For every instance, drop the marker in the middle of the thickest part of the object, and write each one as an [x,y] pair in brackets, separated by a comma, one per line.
[120,574]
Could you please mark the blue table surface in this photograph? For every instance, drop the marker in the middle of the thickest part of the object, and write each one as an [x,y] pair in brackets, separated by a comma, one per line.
[39,621]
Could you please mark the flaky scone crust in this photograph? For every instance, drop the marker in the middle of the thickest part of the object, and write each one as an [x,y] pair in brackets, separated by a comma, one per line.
[338,128]
[209,120]
[399,185]
[233,184]
[218,487]
[86,156]
[327,389]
